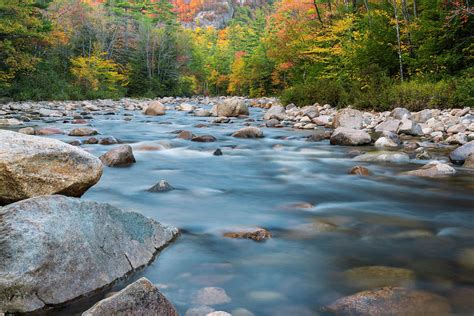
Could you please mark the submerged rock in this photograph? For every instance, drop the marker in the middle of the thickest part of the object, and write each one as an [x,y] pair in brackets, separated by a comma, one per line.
[349,137]
[187,135]
[390,301]
[162,186]
[139,298]
[32,166]
[359,171]
[383,157]
[55,249]
[256,235]
[371,277]
[211,296]
[248,132]
[118,157]
[433,169]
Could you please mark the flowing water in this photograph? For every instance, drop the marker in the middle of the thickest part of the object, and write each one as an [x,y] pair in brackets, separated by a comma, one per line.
[384,219]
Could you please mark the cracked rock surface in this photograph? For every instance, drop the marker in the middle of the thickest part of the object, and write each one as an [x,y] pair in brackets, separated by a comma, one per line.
[57,248]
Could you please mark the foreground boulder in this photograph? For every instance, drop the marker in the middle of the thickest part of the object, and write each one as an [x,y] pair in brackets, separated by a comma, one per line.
[55,249]
[32,166]
[120,156]
[349,137]
[348,118]
[248,132]
[390,301]
[230,107]
[459,155]
[155,108]
[139,298]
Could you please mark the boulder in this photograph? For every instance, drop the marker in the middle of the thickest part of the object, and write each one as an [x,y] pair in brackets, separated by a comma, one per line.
[248,132]
[155,108]
[139,298]
[230,107]
[422,116]
[385,142]
[349,137]
[389,125]
[456,139]
[400,113]
[187,135]
[50,131]
[32,166]
[110,140]
[187,107]
[390,301]
[409,127]
[275,112]
[348,118]
[27,130]
[372,277]
[118,157]
[460,154]
[469,162]
[433,169]
[310,111]
[56,248]
[273,123]
[204,139]
[83,131]
[10,122]
[202,113]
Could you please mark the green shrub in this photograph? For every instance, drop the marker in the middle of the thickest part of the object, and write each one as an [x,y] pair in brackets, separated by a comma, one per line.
[322,91]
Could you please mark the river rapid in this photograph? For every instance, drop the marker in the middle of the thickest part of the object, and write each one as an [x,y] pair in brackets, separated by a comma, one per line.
[323,221]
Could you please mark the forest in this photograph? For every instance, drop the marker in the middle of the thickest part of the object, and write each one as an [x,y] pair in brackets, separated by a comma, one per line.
[371,54]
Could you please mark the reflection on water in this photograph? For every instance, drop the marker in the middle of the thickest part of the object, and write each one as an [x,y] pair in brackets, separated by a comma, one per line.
[384,219]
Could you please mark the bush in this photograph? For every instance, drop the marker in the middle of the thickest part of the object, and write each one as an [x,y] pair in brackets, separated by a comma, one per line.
[322,91]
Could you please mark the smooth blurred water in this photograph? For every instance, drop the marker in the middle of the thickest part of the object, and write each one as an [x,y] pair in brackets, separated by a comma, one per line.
[251,185]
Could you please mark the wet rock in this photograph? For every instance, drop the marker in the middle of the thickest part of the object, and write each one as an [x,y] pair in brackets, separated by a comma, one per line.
[49,131]
[298,205]
[220,120]
[91,141]
[459,155]
[349,137]
[187,135]
[231,107]
[311,230]
[162,186]
[46,238]
[108,141]
[469,162]
[79,121]
[155,108]
[75,143]
[385,142]
[27,130]
[10,122]
[202,113]
[256,235]
[118,157]
[248,132]
[139,298]
[390,301]
[199,311]
[433,169]
[83,131]
[400,113]
[275,112]
[204,139]
[359,171]
[217,152]
[211,296]
[186,107]
[371,277]
[273,123]
[32,166]
[348,118]
[319,135]
[383,157]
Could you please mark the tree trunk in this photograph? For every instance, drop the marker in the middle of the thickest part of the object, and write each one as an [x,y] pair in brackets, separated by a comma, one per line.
[398,39]
[317,11]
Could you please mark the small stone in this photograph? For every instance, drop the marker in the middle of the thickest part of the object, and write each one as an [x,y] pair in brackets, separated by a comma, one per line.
[204,139]
[187,135]
[50,131]
[433,169]
[83,131]
[359,171]
[162,186]
[27,131]
[91,141]
[118,157]
[108,141]
[248,132]
[469,162]
[217,152]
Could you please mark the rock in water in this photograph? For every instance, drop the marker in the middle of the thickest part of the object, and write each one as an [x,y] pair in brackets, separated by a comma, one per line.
[56,248]
[162,186]
[390,301]
[360,171]
[83,131]
[349,137]
[459,155]
[155,108]
[259,234]
[248,132]
[230,107]
[372,277]
[433,169]
[275,112]
[118,157]
[139,298]
[32,166]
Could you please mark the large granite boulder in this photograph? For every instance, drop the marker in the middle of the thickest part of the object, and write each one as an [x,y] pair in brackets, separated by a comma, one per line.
[120,156]
[230,107]
[155,108]
[57,248]
[349,137]
[33,166]
[139,298]
[348,118]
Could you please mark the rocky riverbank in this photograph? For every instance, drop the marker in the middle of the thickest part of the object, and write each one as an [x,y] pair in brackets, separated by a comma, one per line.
[100,244]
